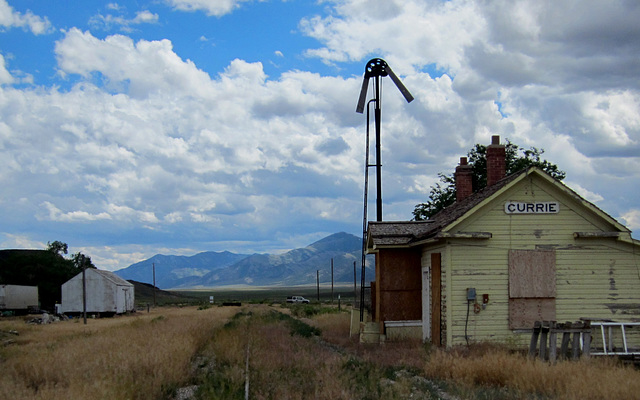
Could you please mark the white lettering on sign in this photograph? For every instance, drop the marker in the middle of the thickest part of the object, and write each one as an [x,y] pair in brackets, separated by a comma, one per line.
[547,207]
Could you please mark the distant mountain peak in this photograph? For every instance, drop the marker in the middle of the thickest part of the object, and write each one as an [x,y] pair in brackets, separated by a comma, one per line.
[295,267]
[341,241]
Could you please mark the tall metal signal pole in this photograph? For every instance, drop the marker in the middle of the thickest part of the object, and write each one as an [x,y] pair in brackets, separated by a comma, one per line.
[376,68]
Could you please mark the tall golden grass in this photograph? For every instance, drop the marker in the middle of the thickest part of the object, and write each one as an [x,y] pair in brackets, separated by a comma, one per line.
[492,366]
[149,356]
[284,363]
[145,356]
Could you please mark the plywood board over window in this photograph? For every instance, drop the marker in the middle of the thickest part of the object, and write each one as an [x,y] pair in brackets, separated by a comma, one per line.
[532,287]
[532,273]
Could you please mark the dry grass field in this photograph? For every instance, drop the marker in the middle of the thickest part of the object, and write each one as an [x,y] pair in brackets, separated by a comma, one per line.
[273,352]
[142,356]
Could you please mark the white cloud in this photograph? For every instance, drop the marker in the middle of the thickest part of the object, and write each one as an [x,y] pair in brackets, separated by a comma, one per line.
[106,22]
[163,159]
[5,76]
[130,214]
[145,17]
[55,214]
[10,18]
[585,193]
[145,67]
[613,115]
[216,8]
[19,241]
[631,219]
[406,34]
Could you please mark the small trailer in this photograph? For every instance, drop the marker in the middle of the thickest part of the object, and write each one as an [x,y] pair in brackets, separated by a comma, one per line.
[19,299]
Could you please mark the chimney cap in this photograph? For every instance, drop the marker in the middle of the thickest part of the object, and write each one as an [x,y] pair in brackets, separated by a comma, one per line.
[463,160]
[495,139]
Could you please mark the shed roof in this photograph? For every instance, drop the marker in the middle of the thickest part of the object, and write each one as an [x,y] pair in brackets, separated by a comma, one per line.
[108,275]
[113,277]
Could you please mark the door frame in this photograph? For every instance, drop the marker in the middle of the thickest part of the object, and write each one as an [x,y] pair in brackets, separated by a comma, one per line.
[435,299]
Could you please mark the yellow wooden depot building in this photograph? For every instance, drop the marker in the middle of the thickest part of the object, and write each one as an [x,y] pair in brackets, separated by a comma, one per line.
[525,248]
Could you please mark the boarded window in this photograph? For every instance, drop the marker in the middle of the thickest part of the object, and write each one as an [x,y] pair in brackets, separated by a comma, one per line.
[532,287]
[532,274]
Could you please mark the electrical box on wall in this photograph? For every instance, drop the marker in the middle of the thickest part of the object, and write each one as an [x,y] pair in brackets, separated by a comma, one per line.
[471,294]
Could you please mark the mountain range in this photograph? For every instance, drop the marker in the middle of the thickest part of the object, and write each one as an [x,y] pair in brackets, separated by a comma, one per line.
[295,267]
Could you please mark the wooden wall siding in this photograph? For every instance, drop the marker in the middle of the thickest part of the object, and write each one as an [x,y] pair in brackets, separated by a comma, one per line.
[605,276]
[588,285]
[595,278]
[399,286]
[484,268]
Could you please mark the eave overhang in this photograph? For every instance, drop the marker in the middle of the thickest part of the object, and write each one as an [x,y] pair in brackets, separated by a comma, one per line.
[405,241]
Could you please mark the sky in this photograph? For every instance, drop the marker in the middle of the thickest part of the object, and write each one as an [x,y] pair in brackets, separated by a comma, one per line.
[143,127]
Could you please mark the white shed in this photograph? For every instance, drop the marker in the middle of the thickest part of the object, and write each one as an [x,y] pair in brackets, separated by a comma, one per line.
[106,293]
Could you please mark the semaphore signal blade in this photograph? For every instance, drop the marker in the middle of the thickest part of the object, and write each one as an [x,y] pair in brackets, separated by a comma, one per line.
[405,92]
[363,95]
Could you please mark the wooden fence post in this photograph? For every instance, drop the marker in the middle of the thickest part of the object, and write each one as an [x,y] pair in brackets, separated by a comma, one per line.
[553,338]
[566,337]
[544,332]
[571,332]
[534,339]
[586,340]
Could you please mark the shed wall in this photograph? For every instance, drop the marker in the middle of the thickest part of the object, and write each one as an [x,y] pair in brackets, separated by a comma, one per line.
[103,296]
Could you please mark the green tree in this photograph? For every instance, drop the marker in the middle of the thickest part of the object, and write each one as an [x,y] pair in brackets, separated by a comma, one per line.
[57,247]
[79,260]
[443,193]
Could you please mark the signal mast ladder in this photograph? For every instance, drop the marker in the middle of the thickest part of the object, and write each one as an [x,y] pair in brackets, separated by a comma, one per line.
[582,339]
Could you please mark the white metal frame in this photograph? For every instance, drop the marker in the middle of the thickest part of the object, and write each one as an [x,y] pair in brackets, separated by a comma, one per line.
[607,338]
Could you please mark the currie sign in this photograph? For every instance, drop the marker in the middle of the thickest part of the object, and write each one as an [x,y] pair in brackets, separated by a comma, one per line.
[547,207]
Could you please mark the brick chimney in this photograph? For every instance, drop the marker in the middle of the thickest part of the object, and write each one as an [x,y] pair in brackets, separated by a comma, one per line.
[464,179]
[496,161]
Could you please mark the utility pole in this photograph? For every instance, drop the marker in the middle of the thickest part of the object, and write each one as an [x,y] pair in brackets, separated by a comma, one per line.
[318,283]
[355,293]
[84,290]
[154,284]
[332,281]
